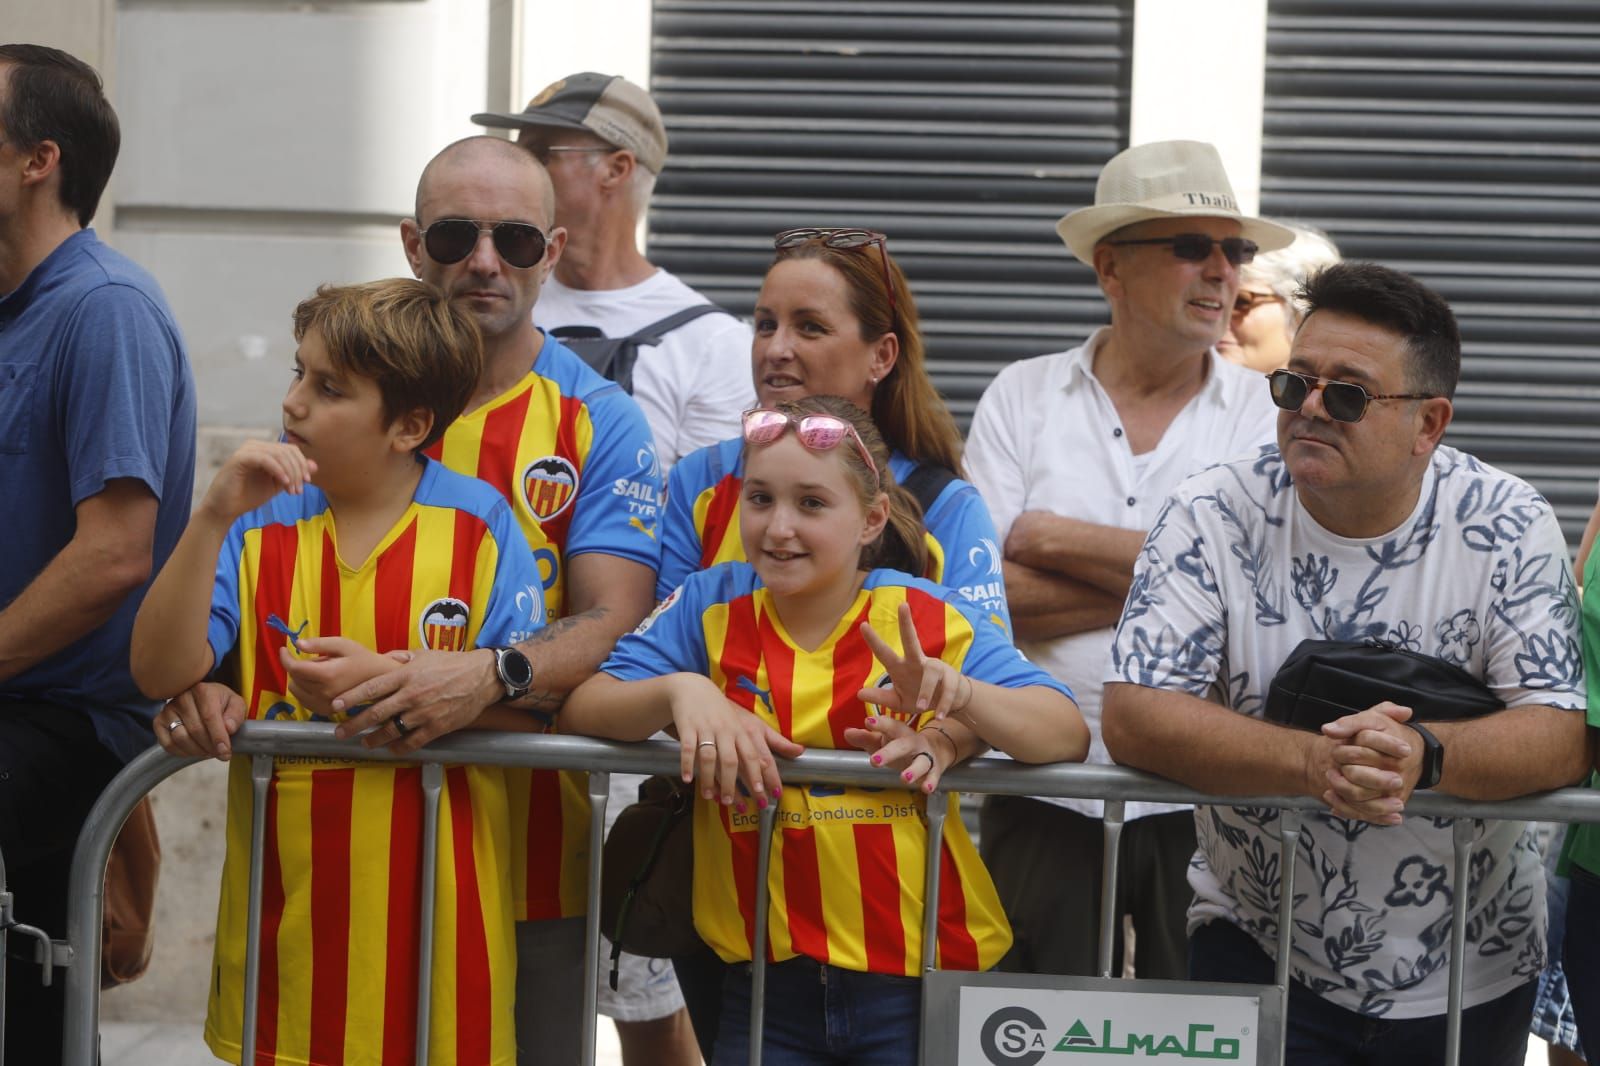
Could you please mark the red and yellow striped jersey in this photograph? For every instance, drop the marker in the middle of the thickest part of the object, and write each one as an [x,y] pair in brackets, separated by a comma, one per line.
[847,868]
[342,862]
[572,453]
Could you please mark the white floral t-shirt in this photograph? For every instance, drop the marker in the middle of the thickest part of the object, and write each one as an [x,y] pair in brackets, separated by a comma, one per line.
[1233,575]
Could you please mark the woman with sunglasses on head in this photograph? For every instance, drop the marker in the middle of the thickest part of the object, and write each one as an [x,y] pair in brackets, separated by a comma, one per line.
[835,317]
[817,643]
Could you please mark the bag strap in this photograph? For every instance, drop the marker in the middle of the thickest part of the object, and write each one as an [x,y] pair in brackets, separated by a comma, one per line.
[614,357]
[926,481]
[653,333]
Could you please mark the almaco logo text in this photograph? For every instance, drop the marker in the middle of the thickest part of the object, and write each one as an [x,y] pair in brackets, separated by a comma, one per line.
[1010,1026]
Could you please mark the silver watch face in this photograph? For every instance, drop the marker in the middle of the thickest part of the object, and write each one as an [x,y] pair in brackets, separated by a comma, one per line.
[516,672]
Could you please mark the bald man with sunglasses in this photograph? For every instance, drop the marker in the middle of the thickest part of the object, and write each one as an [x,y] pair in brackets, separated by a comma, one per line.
[1074,453]
[1360,526]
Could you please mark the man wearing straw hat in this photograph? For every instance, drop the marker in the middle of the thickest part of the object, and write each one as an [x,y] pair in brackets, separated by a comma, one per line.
[1074,454]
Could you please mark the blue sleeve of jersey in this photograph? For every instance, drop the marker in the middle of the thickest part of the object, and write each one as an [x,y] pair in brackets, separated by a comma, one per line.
[670,641]
[222,630]
[959,520]
[618,500]
[993,658]
[680,540]
[516,599]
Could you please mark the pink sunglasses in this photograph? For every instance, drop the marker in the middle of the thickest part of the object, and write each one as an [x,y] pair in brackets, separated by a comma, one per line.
[819,432]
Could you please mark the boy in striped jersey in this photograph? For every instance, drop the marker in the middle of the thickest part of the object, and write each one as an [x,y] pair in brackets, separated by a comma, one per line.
[346,533]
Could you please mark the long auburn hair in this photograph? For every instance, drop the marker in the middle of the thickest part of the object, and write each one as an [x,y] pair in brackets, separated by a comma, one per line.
[906,407]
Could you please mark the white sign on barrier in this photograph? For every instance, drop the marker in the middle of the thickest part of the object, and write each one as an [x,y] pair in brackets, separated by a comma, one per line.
[1023,1026]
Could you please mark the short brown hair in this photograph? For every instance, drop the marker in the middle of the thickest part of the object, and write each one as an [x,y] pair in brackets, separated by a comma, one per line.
[53,96]
[405,335]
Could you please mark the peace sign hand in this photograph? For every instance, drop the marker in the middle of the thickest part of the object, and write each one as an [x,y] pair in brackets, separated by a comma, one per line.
[935,682]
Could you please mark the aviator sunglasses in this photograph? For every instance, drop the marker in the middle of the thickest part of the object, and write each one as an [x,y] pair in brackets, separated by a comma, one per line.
[1196,247]
[450,240]
[819,432]
[1345,401]
[844,240]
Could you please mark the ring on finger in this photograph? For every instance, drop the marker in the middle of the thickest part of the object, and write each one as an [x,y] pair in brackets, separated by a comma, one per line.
[400,725]
[173,725]
[706,744]
[923,755]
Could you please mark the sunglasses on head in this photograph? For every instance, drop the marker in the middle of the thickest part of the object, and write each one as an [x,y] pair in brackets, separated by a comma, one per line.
[1196,247]
[844,240]
[450,240]
[819,432]
[1345,401]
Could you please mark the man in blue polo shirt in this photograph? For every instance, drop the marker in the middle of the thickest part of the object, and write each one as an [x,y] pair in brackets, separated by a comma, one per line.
[97,415]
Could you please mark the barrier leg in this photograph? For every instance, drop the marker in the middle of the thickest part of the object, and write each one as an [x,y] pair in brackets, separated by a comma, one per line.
[1289,844]
[758,949]
[938,808]
[1111,856]
[5,923]
[599,795]
[432,787]
[260,779]
[1461,834]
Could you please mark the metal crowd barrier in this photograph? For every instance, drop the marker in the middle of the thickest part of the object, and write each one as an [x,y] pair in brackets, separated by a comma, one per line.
[262,741]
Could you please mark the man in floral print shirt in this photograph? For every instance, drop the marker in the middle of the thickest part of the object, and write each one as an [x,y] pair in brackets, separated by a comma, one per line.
[1359,525]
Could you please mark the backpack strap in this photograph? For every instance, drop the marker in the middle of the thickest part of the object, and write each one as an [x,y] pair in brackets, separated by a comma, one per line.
[614,357]
[926,481]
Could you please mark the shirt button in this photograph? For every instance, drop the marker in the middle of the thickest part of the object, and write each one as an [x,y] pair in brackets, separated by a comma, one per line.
[1131,501]
[1117,432]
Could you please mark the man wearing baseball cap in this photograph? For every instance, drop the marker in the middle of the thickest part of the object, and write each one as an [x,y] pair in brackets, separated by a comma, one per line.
[602,140]
[1075,453]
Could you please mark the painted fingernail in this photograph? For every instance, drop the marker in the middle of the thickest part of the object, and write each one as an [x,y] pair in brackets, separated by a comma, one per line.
[871,721]
[761,802]
[877,760]
[739,806]
[906,775]
[777,790]
[928,787]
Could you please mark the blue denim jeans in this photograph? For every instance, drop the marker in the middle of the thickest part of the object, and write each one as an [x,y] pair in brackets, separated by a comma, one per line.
[1580,956]
[1324,1034]
[819,1015]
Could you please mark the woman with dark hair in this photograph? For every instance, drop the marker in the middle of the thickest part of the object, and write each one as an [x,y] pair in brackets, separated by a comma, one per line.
[835,317]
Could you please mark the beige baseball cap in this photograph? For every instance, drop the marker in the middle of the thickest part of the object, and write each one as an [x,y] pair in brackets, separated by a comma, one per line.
[1163,179]
[607,105]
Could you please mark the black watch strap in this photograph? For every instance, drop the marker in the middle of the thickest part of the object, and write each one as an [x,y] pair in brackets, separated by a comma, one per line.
[1432,756]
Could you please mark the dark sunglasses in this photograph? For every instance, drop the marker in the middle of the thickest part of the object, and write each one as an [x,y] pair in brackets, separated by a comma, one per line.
[818,432]
[845,240]
[1246,302]
[450,240]
[1345,401]
[1196,247]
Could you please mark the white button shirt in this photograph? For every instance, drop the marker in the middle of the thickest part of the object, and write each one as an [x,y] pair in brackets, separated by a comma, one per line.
[1046,437]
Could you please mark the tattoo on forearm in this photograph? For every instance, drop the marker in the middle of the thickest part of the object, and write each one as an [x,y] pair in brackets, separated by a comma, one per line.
[561,626]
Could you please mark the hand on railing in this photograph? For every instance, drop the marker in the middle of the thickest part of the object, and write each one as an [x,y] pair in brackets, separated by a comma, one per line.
[200,722]
[1375,764]
[920,759]
[724,743]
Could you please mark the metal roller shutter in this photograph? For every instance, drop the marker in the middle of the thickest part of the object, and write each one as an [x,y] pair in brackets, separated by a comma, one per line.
[1460,140]
[962,131]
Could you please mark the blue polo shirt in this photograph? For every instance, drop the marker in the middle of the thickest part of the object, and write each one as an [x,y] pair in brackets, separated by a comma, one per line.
[94,385]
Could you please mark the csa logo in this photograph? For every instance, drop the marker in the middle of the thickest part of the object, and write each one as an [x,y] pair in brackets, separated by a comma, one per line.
[549,486]
[444,625]
[1013,1036]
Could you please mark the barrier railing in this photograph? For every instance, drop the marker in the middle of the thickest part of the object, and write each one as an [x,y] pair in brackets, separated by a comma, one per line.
[263,741]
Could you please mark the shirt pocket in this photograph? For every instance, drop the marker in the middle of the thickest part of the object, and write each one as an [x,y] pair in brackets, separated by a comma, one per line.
[16,406]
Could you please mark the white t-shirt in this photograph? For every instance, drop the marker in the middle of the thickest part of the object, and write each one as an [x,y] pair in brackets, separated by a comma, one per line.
[693,385]
[1046,437]
[1234,574]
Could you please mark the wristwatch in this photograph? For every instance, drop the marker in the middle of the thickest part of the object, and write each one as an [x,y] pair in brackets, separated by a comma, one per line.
[514,670]
[1432,757]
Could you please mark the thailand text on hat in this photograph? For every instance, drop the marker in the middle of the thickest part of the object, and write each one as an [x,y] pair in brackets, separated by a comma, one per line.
[609,106]
[1165,179]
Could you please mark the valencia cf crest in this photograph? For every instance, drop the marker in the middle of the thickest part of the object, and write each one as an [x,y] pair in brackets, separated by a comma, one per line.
[548,486]
[444,625]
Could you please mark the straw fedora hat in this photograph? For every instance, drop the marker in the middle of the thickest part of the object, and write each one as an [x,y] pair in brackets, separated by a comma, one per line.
[1164,179]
